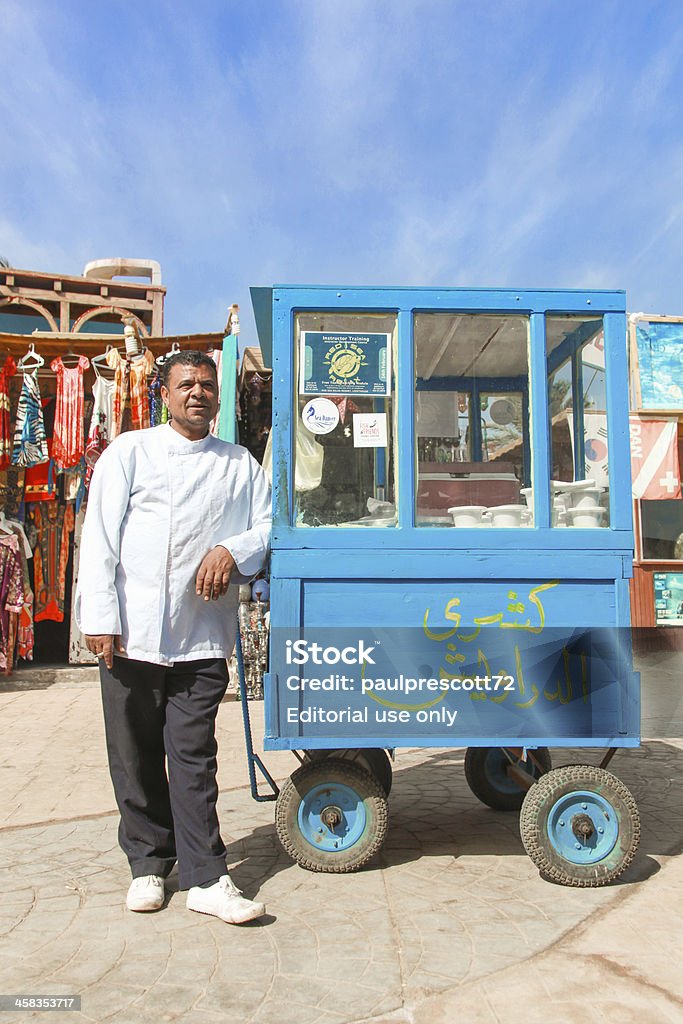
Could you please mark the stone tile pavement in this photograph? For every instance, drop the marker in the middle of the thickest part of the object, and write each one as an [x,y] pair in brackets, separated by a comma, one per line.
[451,923]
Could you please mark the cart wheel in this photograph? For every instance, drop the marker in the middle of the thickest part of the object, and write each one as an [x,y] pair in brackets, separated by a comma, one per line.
[331,816]
[485,771]
[580,826]
[373,759]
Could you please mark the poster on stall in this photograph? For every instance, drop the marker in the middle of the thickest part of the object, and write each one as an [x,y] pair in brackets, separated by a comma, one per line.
[369,430]
[334,363]
[655,470]
[659,349]
[668,598]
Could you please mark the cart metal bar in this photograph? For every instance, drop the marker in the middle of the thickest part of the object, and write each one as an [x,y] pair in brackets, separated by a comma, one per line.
[540,469]
[443,740]
[577,417]
[523,779]
[616,385]
[253,760]
[405,418]
[609,754]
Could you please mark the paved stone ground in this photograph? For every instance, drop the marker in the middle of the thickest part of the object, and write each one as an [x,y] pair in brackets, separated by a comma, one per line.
[451,923]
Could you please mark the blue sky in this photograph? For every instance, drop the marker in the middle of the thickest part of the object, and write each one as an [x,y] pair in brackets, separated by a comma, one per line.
[346,141]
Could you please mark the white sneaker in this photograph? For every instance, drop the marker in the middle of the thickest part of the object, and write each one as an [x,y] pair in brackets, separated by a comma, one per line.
[146,893]
[224,900]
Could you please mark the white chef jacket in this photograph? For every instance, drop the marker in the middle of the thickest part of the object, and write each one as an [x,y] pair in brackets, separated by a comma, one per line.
[157,504]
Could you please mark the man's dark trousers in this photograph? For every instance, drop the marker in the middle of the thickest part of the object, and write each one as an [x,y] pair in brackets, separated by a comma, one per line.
[158,713]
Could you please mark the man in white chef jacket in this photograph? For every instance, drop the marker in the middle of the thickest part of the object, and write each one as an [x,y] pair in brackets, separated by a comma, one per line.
[172,513]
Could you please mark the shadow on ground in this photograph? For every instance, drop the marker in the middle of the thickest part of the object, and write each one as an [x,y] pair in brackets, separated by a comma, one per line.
[433,814]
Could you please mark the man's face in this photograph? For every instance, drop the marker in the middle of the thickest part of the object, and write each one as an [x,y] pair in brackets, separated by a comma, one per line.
[192,399]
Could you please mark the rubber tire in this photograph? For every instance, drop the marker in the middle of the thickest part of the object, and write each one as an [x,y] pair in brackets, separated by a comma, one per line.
[484,790]
[533,825]
[294,791]
[373,759]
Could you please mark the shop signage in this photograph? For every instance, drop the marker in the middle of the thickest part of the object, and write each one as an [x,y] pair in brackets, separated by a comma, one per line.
[320,416]
[668,598]
[334,363]
[369,430]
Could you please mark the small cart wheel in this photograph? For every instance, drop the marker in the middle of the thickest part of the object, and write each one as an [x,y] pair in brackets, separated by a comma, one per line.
[580,826]
[487,777]
[373,759]
[331,815]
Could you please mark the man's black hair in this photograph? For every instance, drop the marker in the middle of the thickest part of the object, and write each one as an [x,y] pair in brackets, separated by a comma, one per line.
[191,357]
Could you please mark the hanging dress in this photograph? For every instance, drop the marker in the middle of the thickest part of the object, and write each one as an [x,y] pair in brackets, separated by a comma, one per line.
[23,628]
[216,354]
[53,523]
[30,442]
[12,599]
[8,370]
[99,434]
[158,412]
[12,492]
[39,481]
[131,404]
[68,444]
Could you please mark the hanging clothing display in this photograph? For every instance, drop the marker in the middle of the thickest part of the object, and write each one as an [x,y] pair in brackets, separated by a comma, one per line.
[7,371]
[12,492]
[78,651]
[68,443]
[39,481]
[49,446]
[53,524]
[24,625]
[30,442]
[99,434]
[74,484]
[131,404]
[158,412]
[12,598]
[216,354]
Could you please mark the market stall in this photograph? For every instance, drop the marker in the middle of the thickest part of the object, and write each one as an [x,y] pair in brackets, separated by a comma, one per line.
[63,398]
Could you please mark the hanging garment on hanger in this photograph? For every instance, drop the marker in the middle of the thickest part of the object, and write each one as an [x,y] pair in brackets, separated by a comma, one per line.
[131,404]
[7,371]
[17,529]
[53,523]
[12,598]
[99,434]
[39,481]
[24,625]
[68,443]
[216,355]
[12,492]
[74,484]
[30,442]
[158,412]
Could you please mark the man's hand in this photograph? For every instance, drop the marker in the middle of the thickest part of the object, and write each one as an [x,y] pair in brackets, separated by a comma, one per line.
[214,573]
[104,645]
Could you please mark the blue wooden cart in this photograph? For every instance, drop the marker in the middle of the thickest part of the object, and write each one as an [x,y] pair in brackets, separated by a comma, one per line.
[452,543]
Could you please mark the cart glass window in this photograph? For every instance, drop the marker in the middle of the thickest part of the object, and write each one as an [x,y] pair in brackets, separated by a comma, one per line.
[472,419]
[578,421]
[344,429]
